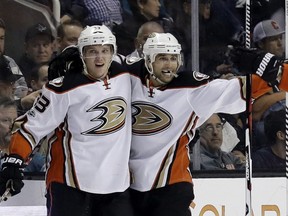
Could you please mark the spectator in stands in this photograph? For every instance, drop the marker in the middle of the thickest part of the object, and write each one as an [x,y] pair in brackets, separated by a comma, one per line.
[142,11]
[69,9]
[143,32]
[183,23]
[173,8]
[7,82]
[68,33]
[108,12]
[38,48]
[73,9]
[9,63]
[10,82]
[211,138]
[272,156]
[8,113]
[39,77]
[218,27]
[267,36]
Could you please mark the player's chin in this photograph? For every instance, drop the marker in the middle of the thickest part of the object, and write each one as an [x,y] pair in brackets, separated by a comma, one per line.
[166,79]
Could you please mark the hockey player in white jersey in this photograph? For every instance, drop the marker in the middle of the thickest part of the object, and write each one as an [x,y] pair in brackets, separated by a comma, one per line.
[167,107]
[87,115]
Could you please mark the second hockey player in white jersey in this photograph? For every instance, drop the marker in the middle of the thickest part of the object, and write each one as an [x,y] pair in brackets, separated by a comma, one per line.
[166,111]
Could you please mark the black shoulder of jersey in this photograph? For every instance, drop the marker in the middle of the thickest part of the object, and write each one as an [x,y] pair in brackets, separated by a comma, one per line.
[189,79]
[68,82]
[116,69]
[137,68]
[73,80]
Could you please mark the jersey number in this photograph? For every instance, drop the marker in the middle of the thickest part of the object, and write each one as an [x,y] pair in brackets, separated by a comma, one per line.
[42,104]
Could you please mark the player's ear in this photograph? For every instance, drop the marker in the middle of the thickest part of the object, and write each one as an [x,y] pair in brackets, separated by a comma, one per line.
[280,135]
[260,44]
[148,59]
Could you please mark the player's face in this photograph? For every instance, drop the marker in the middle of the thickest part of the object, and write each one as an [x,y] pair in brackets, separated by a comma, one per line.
[164,66]
[98,59]
[7,116]
[2,40]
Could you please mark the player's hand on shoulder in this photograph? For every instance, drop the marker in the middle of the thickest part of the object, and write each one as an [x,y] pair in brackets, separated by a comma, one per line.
[68,60]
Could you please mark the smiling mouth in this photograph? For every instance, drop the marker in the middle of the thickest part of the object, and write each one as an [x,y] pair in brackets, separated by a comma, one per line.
[168,73]
[99,65]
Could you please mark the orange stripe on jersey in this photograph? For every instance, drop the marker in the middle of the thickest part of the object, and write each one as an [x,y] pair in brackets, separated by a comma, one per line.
[190,125]
[20,146]
[60,168]
[179,171]
[56,168]
[284,80]
[175,165]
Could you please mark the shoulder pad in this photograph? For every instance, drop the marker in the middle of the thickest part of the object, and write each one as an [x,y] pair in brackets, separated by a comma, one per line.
[57,82]
[132,60]
[199,76]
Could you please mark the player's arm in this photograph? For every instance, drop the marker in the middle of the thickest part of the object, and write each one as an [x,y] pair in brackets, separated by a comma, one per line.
[266,65]
[27,131]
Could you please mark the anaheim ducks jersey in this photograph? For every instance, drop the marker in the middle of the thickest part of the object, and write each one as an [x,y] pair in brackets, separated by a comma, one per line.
[164,121]
[89,127]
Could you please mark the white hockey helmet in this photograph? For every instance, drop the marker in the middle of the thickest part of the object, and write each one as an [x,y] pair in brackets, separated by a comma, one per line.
[96,35]
[164,43]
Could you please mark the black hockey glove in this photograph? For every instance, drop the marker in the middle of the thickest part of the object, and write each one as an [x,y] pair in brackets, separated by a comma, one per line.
[11,174]
[68,60]
[255,61]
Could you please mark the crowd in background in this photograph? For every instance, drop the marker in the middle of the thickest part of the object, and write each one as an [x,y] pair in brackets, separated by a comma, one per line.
[221,140]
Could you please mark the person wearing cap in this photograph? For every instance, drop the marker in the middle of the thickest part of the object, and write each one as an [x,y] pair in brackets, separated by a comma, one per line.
[9,63]
[39,48]
[267,36]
